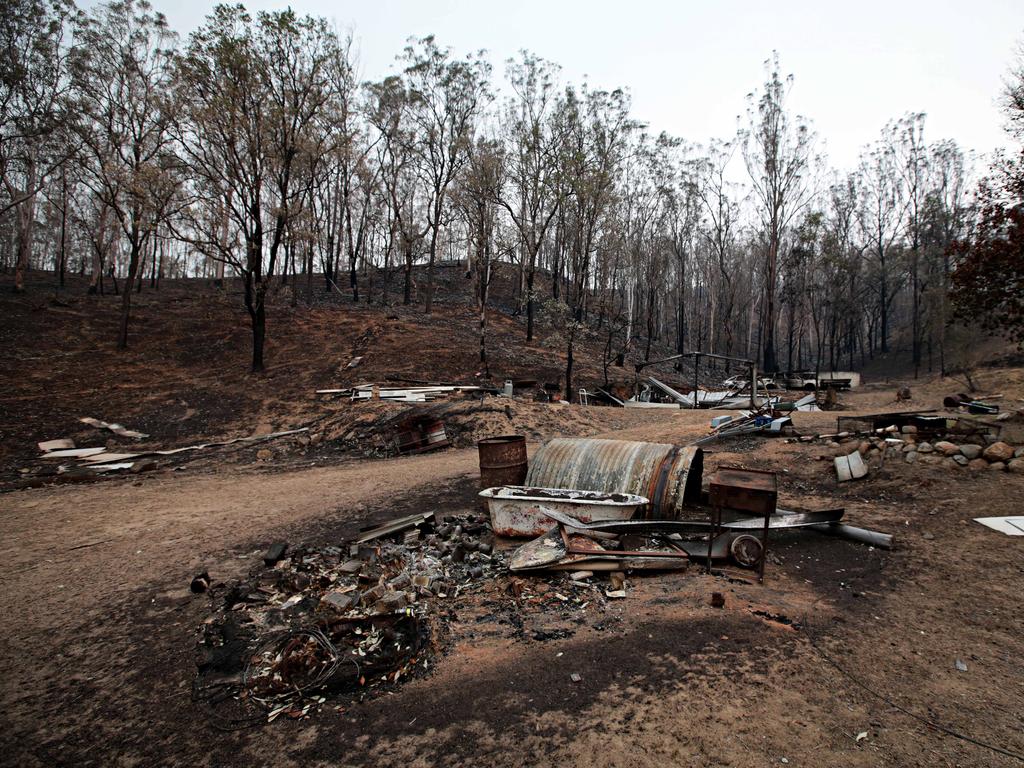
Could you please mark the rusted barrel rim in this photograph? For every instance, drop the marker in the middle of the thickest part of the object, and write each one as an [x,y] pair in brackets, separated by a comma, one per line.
[501,439]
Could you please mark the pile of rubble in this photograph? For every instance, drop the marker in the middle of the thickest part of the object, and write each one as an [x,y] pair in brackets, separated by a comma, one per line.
[333,622]
[313,624]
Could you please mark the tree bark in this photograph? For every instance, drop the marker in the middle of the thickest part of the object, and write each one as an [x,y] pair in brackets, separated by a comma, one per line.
[126,296]
[26,219]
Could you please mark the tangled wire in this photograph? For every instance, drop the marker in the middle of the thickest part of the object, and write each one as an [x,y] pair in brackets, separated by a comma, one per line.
[295,661]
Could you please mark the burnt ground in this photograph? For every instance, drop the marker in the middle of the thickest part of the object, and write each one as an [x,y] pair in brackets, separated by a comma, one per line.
[185,376]
[99,668]
[97,656]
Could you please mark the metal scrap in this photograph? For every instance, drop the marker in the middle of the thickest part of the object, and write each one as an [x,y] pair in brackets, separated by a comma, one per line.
[117,429]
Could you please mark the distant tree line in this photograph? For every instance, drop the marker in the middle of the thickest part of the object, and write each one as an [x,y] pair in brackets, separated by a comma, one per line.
[252,150]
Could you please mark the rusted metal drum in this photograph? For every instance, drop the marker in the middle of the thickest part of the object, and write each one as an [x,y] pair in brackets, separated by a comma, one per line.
[668,475]
[502,460]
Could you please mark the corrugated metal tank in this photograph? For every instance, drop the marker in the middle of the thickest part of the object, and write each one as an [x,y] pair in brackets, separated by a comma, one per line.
[668,475]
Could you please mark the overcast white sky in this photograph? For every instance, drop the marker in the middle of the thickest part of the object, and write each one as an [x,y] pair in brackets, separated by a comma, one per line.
[689,64]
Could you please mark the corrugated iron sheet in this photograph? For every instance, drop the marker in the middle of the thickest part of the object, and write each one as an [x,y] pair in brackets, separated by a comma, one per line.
[669,476]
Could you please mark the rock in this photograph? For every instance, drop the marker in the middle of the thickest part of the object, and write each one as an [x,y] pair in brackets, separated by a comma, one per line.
[990,439]
[977,465]
[1016,466]
[959,460]
[924,448]
[999,451]
[930,458]
[908,447]
[929,536]
[909,429]
[997,466]
[970,451]
[1019,452]
[946,448]
[264,454]
[911,457]
[315,438]
[864,447]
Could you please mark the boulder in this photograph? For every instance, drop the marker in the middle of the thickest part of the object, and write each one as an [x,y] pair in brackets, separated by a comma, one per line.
[909,429]
[1019,452]
[931,458]
[946,448]
[999,451]
[1016,466]
[970,451]
[977,465]
[997,466]
[925,448]
[959,460]
[864,447]
[911,457]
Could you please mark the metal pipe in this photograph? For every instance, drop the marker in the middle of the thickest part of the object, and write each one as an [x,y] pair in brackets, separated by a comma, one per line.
[753,386]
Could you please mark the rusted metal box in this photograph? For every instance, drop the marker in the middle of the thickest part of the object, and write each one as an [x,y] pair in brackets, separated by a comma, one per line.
[744,490]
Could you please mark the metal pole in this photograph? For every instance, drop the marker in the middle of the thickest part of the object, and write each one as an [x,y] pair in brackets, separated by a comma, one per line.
[753,386]
[696,371]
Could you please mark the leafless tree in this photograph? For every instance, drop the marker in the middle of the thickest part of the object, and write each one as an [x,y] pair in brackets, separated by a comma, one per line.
[122,73]
[34,83]
[446,95]
[778,149]
[251,92]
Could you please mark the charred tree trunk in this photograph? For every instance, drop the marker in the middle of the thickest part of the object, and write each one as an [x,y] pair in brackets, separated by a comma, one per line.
[529,300]
[126,296]
[407,297]
[428,303]
[26,216]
